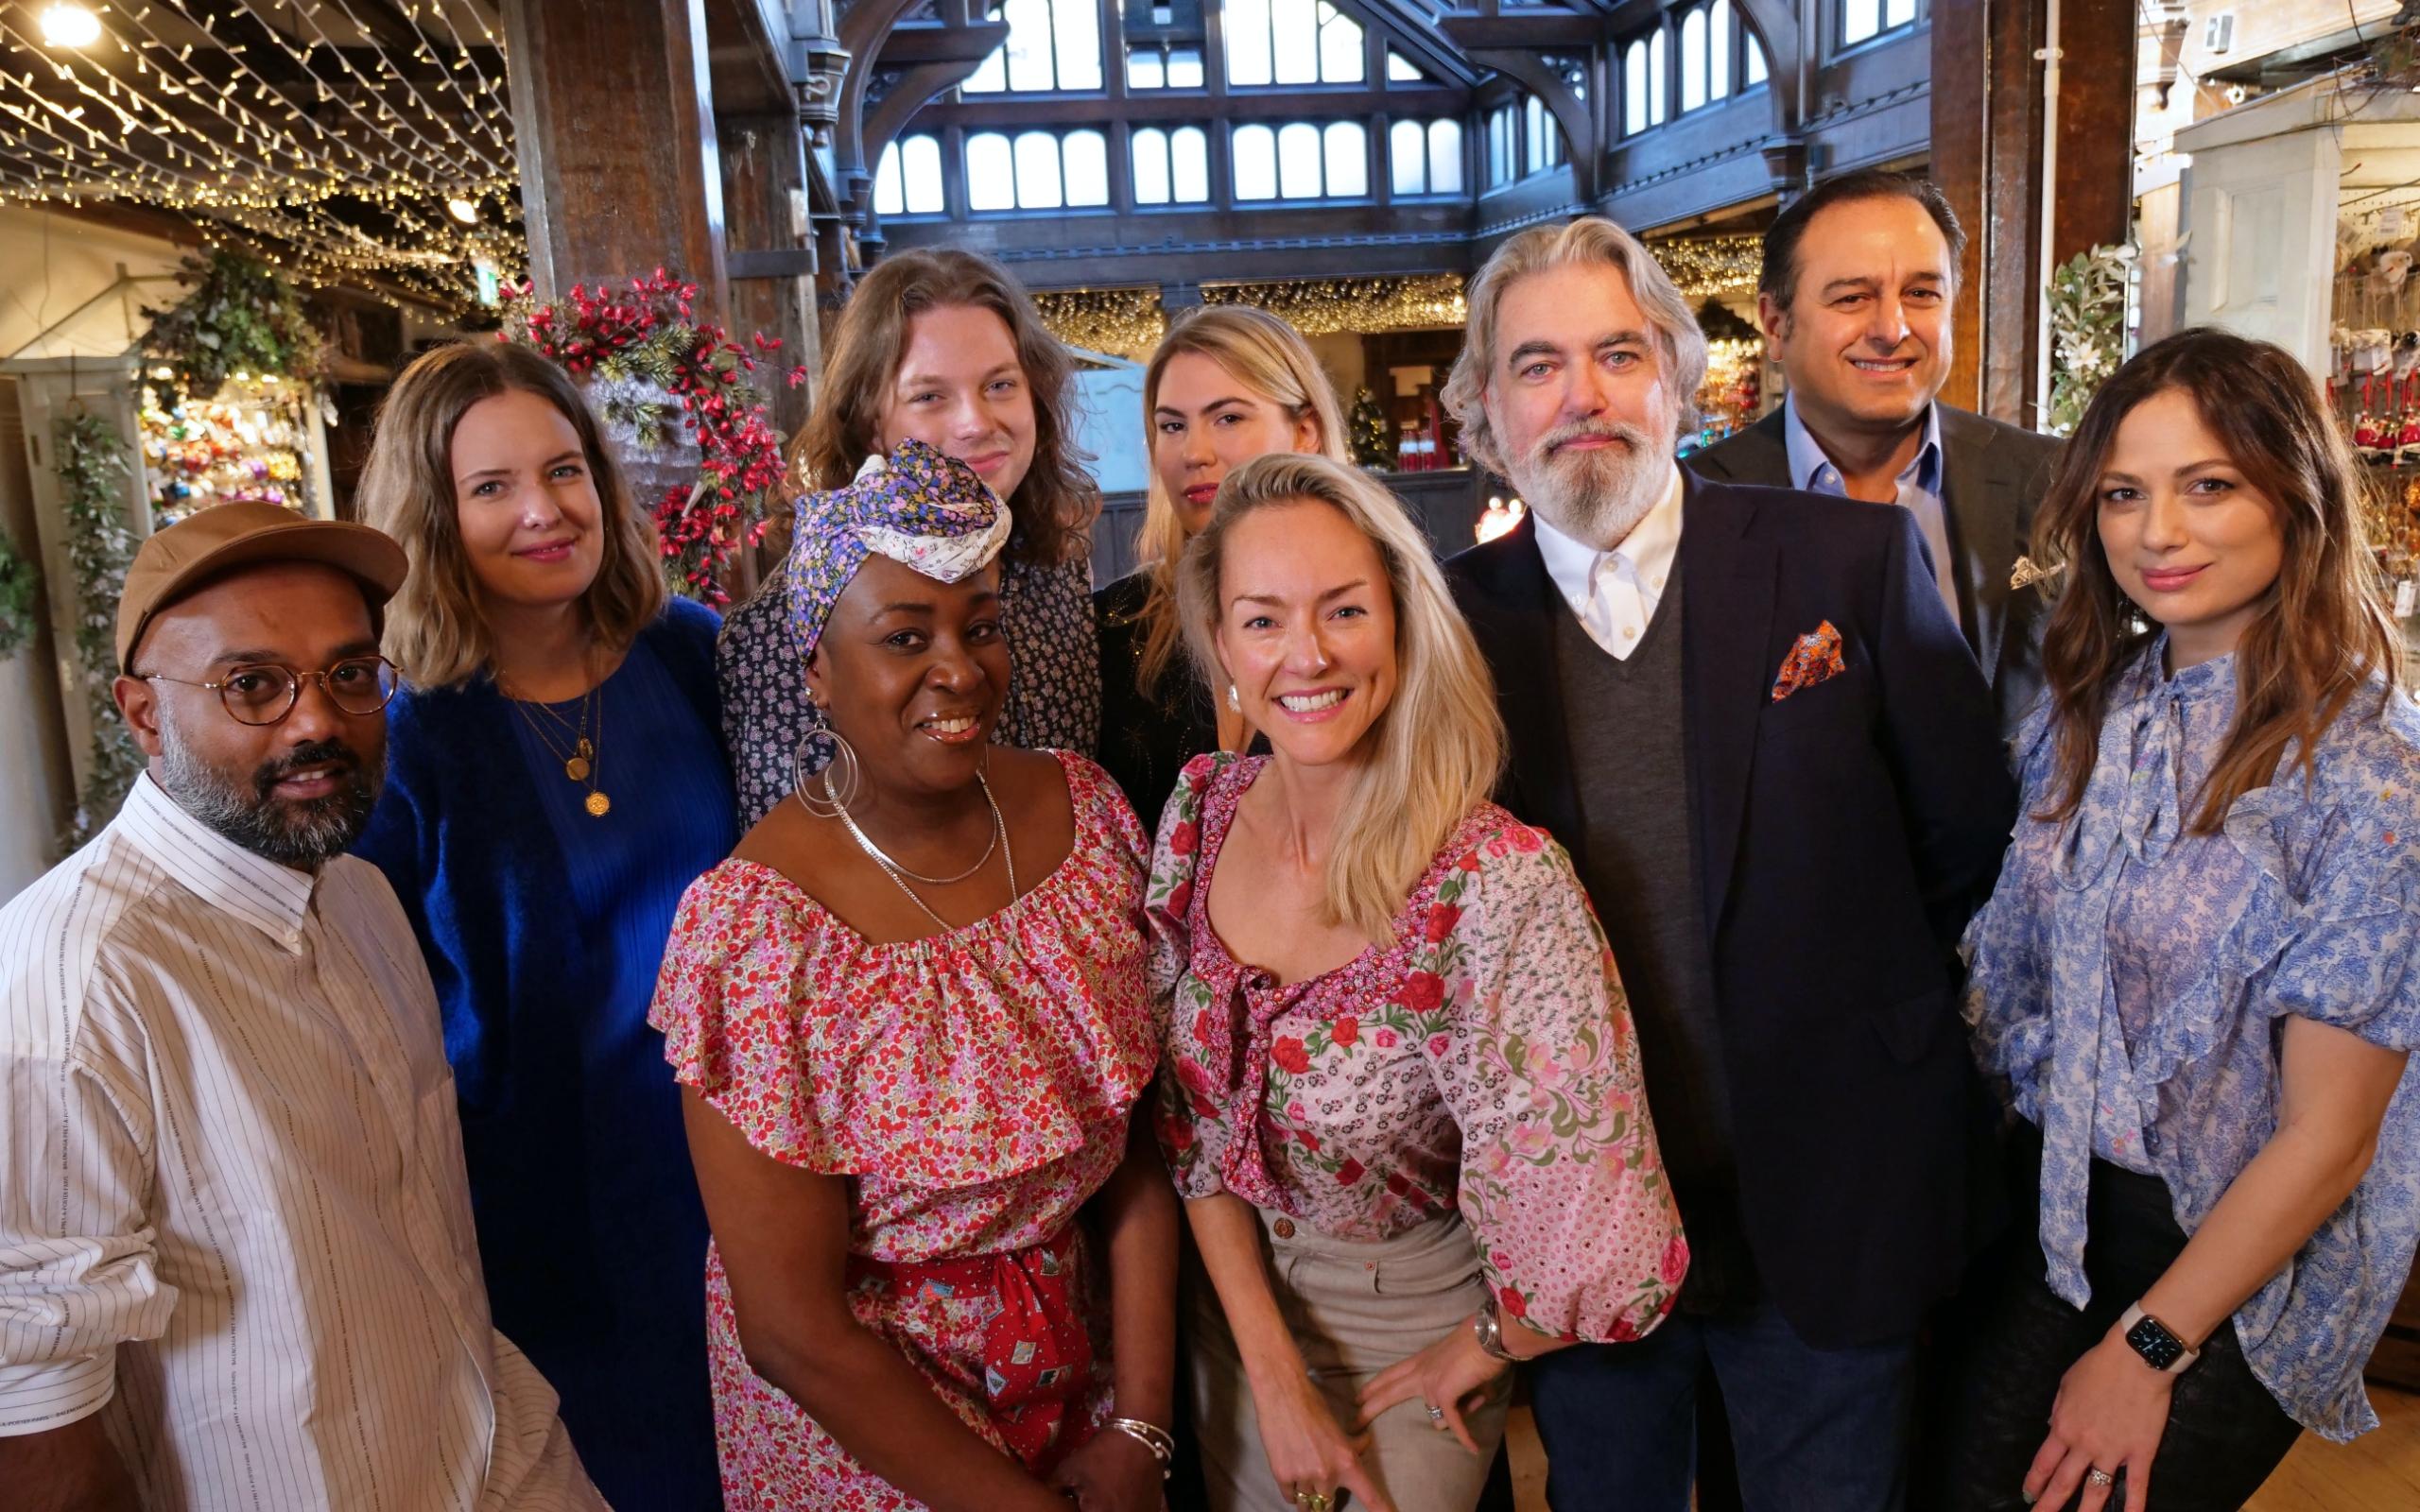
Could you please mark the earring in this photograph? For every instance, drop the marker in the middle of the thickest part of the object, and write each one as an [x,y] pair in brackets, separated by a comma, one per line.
[1234,705]
[817,756]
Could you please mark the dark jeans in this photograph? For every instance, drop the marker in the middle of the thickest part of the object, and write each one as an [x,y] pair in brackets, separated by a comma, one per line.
[2225,1433]
[1813,1430]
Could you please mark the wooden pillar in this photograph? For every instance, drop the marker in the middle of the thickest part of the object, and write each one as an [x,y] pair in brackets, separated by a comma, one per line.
[1986,156]
[2098,53]
[1988,152]
[771,259]
[613,118]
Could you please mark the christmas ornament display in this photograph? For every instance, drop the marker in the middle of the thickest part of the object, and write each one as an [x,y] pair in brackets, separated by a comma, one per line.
[659,378]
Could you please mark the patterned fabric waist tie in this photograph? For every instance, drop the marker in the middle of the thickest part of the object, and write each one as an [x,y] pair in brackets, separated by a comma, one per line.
[1037,1356]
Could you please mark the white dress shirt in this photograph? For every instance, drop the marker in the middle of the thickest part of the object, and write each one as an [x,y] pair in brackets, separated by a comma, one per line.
[1614,593]
[233,1218]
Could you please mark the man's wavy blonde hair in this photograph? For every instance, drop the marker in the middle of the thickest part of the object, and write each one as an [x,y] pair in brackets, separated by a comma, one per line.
[1437,748]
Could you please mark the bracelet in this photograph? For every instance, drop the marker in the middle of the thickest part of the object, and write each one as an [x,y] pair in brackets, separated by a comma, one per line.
[1152,1437]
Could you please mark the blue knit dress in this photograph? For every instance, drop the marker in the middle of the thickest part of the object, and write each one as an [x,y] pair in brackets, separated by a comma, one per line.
[545,925]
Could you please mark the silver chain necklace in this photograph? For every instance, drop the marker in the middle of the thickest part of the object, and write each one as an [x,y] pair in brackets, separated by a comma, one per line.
[900,875]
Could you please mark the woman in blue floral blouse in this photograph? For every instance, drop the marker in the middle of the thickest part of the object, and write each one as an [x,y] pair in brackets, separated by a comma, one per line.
[2199,981]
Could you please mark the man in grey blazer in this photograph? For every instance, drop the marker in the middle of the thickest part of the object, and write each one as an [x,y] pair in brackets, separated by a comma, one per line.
[1854,300]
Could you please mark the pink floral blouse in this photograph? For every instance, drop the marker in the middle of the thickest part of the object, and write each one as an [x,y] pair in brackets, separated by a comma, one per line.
[1483,1060]
[975,1087]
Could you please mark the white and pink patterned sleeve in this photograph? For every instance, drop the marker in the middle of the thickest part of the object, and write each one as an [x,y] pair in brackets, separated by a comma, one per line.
[1535,1054]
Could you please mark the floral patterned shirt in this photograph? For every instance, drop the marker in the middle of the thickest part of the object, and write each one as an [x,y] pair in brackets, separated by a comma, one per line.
[1054,680]
[1484,1060]
[2126,976]
[975,1086]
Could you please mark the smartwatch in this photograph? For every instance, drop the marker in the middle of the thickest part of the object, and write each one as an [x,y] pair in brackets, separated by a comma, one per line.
[2156,1342]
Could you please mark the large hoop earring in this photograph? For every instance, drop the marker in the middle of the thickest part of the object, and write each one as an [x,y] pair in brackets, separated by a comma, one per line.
[836,794]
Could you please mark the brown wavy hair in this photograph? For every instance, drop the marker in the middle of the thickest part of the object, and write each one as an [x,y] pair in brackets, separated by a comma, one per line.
[1055,505]
[436,634]
[2321,632]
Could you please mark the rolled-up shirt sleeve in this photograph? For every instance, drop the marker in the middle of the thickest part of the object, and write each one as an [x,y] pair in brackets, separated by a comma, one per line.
[77,1269]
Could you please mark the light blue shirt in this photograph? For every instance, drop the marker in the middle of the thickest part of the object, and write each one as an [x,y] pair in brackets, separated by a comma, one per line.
[1922,489]
[2126,979]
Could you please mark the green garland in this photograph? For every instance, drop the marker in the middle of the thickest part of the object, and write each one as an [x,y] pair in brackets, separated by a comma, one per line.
[92,466]
[241,318]
[2088,330]
[17,581]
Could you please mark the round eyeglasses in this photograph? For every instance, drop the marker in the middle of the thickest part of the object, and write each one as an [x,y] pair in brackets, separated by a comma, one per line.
[264,692]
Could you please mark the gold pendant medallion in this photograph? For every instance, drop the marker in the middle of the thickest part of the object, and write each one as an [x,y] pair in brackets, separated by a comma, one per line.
[598,805]
[587,751]
[576,768]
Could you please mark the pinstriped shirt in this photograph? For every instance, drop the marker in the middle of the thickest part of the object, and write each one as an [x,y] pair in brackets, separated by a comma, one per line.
[233,1212]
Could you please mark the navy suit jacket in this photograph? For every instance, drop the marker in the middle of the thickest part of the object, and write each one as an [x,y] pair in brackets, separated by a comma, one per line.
[1993,477]
[1843,836]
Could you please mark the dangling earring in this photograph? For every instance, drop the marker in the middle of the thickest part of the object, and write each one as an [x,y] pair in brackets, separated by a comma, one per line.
[829,750]
[1234,705]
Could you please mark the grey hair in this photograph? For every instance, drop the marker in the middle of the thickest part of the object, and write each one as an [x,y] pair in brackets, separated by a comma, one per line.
[1589,239]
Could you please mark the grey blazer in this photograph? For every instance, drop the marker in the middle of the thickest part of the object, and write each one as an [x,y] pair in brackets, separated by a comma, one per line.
[1995,475]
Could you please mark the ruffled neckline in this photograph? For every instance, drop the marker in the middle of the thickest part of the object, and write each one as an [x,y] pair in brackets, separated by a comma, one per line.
[946,1061]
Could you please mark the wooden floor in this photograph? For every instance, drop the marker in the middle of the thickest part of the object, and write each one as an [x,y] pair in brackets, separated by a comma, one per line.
[2377,1472]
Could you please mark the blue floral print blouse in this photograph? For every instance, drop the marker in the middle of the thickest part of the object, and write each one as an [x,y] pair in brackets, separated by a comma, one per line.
[2126,976]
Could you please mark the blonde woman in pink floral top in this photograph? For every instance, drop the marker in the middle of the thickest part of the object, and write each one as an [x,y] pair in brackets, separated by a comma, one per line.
[1402,1095]
[909,1021]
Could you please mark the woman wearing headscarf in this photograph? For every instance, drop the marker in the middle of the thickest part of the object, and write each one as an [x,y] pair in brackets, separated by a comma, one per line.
[909,1019]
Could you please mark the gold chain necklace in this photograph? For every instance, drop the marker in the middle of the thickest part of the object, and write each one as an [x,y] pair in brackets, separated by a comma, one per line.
[582,758]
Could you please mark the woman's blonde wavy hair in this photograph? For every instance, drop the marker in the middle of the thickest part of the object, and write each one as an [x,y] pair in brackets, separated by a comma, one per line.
[1269,357]
[436,634]
[2321,635]
[1436,749]
[1054,507]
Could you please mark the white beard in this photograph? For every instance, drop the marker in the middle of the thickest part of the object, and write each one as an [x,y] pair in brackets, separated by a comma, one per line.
[1597,497]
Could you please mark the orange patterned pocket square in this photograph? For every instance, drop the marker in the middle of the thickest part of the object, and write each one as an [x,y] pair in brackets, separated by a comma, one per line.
[1814,658]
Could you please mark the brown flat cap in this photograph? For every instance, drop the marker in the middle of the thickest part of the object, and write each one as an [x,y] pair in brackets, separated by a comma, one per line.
[225,537]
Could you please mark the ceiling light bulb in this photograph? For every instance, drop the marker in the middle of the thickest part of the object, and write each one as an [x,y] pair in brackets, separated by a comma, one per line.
[463,210]
[70,26]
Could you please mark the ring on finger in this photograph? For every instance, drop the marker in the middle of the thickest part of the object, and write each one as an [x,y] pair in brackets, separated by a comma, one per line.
[2097,1476]
[1436,1414]
[1313,1501]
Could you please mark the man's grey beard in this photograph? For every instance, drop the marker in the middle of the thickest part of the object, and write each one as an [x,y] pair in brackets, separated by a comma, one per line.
[1597,497]
[293,832]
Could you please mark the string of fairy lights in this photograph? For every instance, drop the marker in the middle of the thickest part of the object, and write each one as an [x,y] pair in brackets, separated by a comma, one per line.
[1130,321]
[345,140]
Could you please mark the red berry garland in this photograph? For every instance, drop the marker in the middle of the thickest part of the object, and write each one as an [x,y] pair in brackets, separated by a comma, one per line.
[647,331]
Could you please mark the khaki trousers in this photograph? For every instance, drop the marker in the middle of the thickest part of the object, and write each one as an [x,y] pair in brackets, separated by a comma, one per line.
[1354,1309]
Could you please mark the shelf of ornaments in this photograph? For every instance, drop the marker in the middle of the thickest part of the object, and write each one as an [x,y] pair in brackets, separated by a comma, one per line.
[249,443]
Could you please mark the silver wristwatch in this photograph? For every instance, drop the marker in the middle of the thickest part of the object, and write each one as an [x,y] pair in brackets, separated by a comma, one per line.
[1488,1329]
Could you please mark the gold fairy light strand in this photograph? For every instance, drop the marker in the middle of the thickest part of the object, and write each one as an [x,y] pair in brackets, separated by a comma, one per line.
[1366,306]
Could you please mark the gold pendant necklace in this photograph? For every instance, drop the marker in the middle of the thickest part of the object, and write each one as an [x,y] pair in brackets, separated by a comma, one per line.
[580,759]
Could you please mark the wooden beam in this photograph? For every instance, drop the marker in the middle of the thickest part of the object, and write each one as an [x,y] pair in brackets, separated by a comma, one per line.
[1986,156]
[2096,201]
[1552,30]
[1289,104]
[613,124]
[972,44]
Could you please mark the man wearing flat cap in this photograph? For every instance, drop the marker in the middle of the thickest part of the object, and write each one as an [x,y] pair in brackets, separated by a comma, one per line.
[236,1262]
